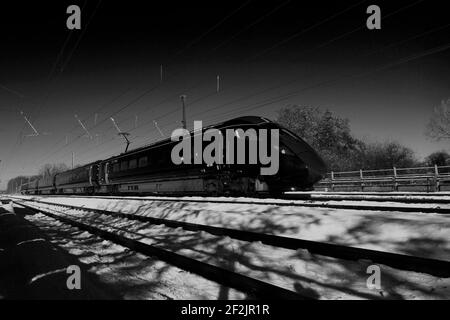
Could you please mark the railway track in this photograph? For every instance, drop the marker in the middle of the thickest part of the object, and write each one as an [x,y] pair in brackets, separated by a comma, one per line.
[416,199]
[254,287]
[311,203]
[374,193]
[433,267]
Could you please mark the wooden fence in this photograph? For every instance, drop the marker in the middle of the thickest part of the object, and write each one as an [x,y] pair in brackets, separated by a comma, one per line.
[430,179]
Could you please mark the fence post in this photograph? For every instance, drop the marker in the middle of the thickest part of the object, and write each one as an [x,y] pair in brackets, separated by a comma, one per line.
[361,178]
[332,181]
[395,179]
[437,186]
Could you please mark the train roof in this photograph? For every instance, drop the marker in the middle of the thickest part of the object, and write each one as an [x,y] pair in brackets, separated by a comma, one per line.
[231,122]
[246,120]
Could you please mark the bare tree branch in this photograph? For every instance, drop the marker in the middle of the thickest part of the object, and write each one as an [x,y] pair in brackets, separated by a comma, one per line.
[438,127]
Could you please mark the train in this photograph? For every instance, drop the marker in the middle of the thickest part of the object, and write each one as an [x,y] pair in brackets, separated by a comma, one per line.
[149,170]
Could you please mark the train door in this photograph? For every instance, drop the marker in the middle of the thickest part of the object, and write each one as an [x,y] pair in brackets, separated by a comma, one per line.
[94,175]
[101,174]
[90,176]
[107,173]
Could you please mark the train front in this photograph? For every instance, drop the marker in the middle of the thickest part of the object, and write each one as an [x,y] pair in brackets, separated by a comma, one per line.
[300,166]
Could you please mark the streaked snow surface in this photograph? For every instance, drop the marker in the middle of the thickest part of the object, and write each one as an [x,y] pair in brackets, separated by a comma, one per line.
[418,234]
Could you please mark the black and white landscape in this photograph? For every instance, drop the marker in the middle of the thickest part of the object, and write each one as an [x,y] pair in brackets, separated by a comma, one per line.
[225,150]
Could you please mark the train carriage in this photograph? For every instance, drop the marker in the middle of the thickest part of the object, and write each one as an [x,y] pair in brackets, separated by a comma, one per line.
[149,170]
[33,187]
[25,188]
[47,185]
[79,180]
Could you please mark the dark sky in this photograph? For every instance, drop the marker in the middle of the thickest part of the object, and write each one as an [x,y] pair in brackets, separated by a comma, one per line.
[268,54]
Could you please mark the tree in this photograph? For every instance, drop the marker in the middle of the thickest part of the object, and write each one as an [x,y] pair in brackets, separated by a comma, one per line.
[331,137]
[438,127]
[49,170]
[46,171]
[439,158]
[327,133]
[14,184]
[389,154]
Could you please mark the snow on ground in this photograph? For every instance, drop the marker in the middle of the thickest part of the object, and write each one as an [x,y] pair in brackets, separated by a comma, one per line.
[367,201]
[377,197]
[133,276]
[327,278]
[375,193]
[426,235]
[281,202]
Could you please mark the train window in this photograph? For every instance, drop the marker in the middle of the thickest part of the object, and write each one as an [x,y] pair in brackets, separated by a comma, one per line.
[143,162]
[133,164]
[124,166]
[116,167]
